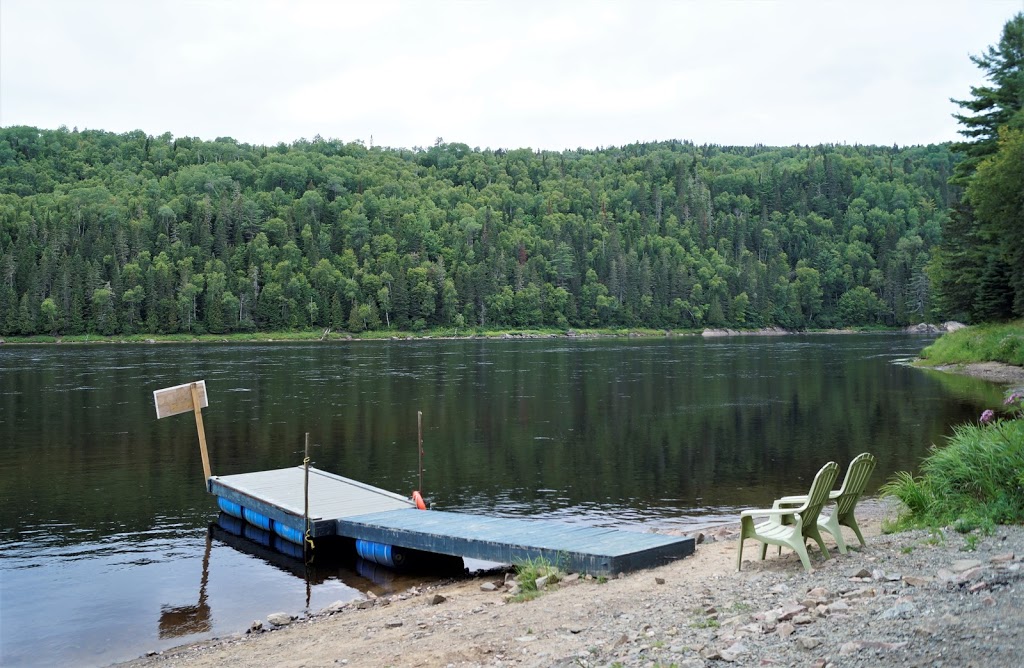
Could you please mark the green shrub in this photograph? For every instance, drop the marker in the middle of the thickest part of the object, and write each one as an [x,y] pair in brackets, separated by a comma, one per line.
[975,482]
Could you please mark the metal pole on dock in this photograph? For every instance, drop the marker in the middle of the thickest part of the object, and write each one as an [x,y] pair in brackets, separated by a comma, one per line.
[307,542]
[419,429]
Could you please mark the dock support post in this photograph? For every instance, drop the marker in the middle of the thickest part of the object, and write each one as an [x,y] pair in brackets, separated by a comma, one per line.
[202,434]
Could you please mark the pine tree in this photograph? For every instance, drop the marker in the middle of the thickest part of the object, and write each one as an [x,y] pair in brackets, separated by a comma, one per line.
[972,259]
[995,106]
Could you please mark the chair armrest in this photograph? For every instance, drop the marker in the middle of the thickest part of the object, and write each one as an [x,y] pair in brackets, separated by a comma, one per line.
[763,512]
[789,502]
[802,498]
[775,515]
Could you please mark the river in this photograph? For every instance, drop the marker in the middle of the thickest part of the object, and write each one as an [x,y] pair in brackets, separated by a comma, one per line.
[106,544]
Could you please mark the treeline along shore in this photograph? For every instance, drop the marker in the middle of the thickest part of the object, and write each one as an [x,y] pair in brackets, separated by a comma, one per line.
[122,234]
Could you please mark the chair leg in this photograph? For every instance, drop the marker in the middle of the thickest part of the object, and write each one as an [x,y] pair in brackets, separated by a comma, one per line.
[801,551]
[831,525]
[816,535]
[764,550]
[746,527]
[851,522]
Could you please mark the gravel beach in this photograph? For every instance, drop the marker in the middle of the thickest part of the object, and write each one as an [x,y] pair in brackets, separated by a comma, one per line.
[917,598]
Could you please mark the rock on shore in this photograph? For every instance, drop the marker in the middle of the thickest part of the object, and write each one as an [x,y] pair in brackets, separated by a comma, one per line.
[941,328]
[765,331]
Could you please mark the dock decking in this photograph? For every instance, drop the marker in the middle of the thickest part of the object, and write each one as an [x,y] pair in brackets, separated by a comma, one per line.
[581,549]
[278,494]
[345,507]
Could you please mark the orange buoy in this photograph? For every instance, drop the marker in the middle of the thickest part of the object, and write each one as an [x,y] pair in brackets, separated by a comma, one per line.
[418,498]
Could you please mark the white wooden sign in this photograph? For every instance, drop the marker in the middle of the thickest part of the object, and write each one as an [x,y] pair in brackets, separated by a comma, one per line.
[178,399]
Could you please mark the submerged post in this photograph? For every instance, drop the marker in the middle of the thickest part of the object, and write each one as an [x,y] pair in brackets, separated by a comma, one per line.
[182,399]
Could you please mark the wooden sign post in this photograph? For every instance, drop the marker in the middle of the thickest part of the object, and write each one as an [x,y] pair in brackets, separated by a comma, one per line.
[182,399]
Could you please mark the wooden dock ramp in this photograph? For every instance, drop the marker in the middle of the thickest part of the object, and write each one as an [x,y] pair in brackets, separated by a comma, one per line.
[344,507]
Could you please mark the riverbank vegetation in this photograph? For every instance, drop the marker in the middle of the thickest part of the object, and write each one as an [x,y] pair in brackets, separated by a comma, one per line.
[120,234]
[994,342]
[975,481]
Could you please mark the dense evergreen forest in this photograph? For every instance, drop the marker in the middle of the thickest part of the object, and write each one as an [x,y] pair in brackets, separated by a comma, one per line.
[122,233]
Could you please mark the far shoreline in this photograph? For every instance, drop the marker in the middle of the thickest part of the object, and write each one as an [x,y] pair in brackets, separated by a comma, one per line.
[317,336]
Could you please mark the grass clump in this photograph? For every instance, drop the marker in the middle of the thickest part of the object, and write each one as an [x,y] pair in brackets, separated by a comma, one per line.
[975,482]
[531,571]
[1002,342]
[970,543]
[705,623]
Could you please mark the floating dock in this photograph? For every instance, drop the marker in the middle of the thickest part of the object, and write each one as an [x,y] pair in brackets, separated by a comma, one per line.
[340,506]
[279,502]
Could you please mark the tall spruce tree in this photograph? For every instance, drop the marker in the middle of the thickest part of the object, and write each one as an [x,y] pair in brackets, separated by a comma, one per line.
[994,106]
[975,269]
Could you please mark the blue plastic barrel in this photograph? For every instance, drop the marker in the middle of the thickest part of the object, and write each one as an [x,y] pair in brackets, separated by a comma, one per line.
[378,553]
[288,533]
[256,519]
[229,507]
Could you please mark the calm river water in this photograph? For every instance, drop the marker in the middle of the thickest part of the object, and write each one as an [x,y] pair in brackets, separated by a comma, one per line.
[106,544]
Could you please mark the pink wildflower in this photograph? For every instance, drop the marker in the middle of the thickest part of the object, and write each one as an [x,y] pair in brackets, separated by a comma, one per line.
[987,416]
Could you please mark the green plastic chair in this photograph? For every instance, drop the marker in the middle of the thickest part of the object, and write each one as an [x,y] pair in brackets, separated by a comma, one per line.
[846,498]
[793,527]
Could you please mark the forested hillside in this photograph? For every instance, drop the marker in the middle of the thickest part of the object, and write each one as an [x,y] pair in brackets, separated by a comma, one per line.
[109,233]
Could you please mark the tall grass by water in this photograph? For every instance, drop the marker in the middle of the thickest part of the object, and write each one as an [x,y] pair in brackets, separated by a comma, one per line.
[999,342]
[975,481]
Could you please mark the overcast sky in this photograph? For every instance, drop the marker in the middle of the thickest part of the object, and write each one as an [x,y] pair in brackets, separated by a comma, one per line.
[511,74]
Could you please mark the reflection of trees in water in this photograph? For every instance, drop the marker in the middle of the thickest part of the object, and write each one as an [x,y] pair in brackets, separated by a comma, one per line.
[677,424]
[638,428]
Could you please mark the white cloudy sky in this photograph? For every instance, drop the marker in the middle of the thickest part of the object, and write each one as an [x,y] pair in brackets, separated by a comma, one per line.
[544,74]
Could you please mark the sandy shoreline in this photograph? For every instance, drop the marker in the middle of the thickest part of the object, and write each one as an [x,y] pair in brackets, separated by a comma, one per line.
[698,611]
